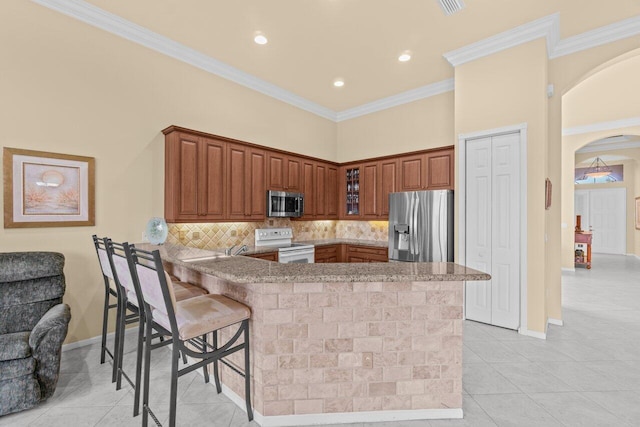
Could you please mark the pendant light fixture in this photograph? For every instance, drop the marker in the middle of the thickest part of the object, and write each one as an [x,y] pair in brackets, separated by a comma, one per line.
[597,169]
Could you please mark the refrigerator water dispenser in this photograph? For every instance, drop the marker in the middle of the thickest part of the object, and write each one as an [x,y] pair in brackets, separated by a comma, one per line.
[401,241]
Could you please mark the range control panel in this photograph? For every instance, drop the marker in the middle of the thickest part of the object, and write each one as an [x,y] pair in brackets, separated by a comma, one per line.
[273,236]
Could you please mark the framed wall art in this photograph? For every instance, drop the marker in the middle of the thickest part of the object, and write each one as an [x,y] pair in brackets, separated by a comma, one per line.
[44,189]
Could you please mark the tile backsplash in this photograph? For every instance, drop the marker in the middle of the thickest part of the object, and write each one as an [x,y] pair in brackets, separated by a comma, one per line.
[226,234]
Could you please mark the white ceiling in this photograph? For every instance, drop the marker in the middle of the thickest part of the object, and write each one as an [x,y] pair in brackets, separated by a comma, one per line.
[312,42]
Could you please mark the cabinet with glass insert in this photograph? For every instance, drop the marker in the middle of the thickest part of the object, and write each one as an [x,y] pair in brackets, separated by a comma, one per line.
[353,191]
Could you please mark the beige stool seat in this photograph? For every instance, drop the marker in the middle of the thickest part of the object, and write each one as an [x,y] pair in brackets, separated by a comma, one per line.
[200,315]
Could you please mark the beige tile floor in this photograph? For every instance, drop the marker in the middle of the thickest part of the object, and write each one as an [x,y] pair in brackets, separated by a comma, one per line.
[587,372]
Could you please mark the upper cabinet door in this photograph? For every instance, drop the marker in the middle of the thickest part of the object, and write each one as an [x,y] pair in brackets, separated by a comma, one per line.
[331,189]
[276,171]
[369,184]
[320,190]
[284,172]
[246,174]
[412,173]
[440,170]
[194,178]
[308,189]
[237,178]
[388,184]
[212,190]
[293,174]
[186,175]
[256,204]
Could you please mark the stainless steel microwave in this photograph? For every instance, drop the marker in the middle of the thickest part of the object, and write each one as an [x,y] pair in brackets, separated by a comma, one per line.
[285,204]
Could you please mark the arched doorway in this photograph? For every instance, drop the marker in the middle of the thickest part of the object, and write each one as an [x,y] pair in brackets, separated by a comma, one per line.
[595,113]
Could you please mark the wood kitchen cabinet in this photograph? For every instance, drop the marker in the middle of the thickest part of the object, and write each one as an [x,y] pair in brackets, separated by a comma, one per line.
[246,173]
[194,178]
[328,253]
[308,188]
[358,253]
[388,170]
[284,172]
[440,170]
[432,170]
[412,173]
[320,186]
[212,178]
[350,181]
[268,256]
[366,187]
[370,190]
[331,191]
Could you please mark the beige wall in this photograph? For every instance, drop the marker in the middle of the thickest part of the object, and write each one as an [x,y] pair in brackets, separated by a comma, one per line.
[71,88]
[505,89]
[427,123]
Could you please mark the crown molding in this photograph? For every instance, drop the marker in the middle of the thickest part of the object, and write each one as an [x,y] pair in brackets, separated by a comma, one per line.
[114,24]
[547,27]
[399,99]
[602,126]
[603,35]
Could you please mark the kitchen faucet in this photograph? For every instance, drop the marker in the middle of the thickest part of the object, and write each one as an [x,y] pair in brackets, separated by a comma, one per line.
[242,249]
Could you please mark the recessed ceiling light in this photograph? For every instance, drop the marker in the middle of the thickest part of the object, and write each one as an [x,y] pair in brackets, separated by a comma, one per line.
[260,39]
[404,56]
[338,82]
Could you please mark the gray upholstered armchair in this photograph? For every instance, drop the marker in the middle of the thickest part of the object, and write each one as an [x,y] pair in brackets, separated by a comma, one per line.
[33,325]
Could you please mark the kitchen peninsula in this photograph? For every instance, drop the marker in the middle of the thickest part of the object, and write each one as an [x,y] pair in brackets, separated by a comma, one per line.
[342,342]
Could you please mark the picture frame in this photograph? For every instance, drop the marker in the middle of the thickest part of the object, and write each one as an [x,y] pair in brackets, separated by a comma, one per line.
[43,189]
[637,213]
[547,192]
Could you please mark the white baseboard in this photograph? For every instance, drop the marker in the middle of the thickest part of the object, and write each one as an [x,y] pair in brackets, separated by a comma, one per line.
[534,334]
[343,417]
[557,322]
[569,270]
[83,343]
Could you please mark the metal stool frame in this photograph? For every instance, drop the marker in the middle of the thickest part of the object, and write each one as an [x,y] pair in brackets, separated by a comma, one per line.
[206,353]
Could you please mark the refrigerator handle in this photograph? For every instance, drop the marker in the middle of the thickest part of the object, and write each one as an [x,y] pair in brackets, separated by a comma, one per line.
[411,224]
[415,226]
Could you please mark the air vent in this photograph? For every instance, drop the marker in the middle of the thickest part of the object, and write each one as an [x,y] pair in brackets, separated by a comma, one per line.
[451,6]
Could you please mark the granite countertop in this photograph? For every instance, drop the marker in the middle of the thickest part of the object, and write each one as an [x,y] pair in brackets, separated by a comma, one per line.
[241,269]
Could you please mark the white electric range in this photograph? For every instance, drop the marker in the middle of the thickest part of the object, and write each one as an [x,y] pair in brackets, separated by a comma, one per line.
[288,252]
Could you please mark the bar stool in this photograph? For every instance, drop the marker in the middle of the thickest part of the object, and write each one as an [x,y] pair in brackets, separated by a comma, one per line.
[117,269]
[188,322]
[110,290]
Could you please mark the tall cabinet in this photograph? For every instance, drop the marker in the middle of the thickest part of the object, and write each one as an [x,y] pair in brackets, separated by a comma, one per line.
[246,173]
[195,183]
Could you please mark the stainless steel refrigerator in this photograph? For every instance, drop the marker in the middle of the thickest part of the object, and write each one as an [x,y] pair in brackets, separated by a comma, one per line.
[421,226]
